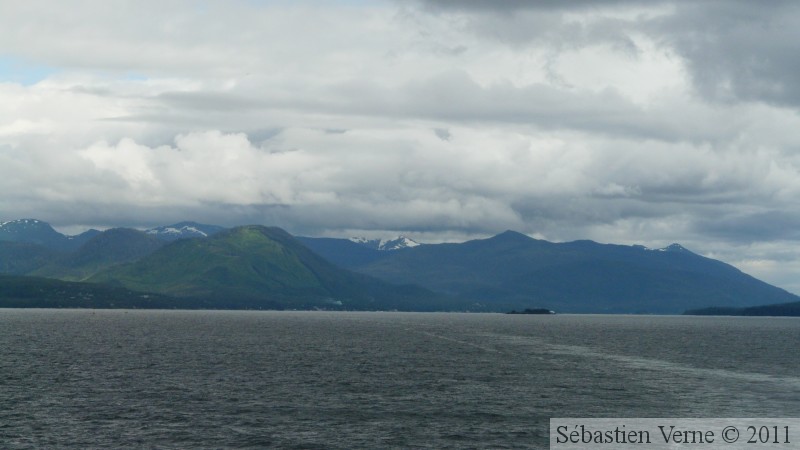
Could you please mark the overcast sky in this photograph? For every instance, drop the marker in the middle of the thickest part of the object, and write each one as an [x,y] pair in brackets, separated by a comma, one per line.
[619,121]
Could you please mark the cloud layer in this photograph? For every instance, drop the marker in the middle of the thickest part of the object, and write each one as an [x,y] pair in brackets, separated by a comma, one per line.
[619,121]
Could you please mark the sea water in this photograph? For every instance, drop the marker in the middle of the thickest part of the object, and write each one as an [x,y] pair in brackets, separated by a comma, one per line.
[217,379]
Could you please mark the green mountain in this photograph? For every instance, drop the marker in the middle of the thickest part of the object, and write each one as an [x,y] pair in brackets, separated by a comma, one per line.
[109,248]
[256,266]
[514,271]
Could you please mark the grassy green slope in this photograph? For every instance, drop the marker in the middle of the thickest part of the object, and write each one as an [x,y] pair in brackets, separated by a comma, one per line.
[242,261]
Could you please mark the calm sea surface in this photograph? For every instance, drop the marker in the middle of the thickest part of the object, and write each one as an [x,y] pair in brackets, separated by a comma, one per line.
[200,379]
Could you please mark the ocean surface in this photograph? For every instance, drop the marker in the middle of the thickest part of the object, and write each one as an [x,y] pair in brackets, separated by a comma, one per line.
[306,380]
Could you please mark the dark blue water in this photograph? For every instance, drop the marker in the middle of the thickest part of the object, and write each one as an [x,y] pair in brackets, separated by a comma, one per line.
[181,379]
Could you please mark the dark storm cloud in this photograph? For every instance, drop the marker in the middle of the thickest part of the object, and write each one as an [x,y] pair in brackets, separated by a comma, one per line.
[735,50]
[738,50]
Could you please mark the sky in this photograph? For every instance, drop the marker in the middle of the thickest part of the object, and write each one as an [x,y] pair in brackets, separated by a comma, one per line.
[630,122]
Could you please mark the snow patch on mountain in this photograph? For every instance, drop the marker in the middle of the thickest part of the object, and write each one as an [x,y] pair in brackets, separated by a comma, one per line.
[19,223]
[177,231]
[386,244]
[669,248]
[183,230]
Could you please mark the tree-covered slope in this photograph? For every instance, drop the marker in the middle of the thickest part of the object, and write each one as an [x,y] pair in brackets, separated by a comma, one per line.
[36,292]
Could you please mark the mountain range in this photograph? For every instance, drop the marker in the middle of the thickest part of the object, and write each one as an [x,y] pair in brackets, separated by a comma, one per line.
[512,270]
[262,267]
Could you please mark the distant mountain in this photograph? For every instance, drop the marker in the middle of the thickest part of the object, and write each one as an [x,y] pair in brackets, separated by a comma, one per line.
[183,230]
[356,252]
[342,252]
[264,267]
[512,270]
[106,249]
[781,309]
[386,244]
[33,231]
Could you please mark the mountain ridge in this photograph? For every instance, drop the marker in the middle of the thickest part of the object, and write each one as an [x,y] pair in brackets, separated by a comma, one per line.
[579,276]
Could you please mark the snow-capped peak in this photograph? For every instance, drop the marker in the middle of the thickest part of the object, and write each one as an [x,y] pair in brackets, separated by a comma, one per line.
[397,243]
[669,248]
[20,222]
[177,231]
[23,225]
[386,244]
[183,230]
